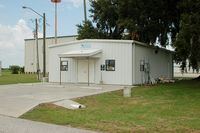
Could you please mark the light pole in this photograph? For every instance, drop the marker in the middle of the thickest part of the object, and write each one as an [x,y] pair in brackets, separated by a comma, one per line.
[36,40]
[44,38]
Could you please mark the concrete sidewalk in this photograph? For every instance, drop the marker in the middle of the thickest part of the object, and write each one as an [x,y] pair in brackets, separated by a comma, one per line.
[14,125]
[16,100]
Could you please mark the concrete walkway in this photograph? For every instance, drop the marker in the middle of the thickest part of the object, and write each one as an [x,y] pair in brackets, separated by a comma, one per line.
[186,75]
[14,125]
[15,100]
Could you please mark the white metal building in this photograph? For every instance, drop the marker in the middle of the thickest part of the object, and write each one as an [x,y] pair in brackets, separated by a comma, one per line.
[123,62]
[30,57]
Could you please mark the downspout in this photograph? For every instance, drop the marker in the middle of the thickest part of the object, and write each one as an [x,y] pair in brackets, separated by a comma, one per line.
[88,71]
[60,71]
[133,62]
[172,58]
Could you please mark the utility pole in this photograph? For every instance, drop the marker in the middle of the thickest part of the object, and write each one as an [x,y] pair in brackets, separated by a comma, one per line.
[44,38]
[36,40]
[44,45]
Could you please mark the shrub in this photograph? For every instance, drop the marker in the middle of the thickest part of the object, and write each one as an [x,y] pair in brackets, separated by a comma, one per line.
[14,69]
[21,70]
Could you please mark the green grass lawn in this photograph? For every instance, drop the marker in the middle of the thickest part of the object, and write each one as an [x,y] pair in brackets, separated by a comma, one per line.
[8,78]
[161,108]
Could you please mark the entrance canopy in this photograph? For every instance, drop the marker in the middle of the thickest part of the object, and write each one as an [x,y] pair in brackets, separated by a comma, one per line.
[89,53]
[81,53]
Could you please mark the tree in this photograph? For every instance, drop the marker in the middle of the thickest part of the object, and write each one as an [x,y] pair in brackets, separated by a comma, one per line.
[105,18]
[149,20]
[87,31]
[188,39]
[105,15]
[143,20]
[14,69]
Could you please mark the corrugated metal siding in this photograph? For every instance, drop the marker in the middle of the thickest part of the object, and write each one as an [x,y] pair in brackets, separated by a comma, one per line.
[30,52]
[160,63]
[126,55]
[122,53]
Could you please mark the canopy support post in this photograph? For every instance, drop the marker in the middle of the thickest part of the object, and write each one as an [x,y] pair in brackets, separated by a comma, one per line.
[60,72]
[88,71]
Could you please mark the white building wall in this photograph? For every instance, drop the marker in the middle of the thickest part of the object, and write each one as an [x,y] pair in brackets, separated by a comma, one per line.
[120,51]
[30,52]
[30,57]
[127,62]
[161,64]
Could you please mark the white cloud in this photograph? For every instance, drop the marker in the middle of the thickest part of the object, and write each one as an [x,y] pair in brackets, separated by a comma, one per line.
[75,3]
[12,43]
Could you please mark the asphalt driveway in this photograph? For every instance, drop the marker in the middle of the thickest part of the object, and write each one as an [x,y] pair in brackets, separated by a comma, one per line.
[15,100]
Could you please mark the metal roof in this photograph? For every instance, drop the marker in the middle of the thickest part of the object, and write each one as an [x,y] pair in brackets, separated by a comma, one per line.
[51,37]
[80,53]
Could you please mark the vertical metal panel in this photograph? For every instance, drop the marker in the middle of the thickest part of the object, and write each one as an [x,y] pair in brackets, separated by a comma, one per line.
[158,62]
[121,52]
[30,52]
[133,63]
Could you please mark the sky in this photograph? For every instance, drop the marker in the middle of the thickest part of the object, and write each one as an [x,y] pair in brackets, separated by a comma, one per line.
[17,24]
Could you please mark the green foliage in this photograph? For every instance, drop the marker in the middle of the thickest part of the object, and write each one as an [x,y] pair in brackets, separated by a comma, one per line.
[148,20]
[143,20]
[14,69]
[87,31]
[105,15]
[188,39]
[162,108]
[21,70]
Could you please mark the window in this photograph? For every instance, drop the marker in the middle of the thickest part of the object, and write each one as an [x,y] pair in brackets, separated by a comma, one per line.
[110,65]
[64,66]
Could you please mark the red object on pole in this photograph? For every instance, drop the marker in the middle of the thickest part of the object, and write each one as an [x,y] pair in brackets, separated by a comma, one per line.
[56,1]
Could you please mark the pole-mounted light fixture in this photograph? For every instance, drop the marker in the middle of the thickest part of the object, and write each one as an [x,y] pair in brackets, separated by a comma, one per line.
[44,37]
[25,7]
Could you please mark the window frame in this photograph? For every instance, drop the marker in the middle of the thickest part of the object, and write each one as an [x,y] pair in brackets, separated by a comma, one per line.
[63,68]
[108,63]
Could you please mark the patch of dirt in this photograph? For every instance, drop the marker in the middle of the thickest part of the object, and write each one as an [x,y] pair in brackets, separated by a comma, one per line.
[49,105]
[138,130]
[181,130]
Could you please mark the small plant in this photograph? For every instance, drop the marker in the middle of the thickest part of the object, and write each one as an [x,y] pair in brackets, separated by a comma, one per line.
[14,69]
